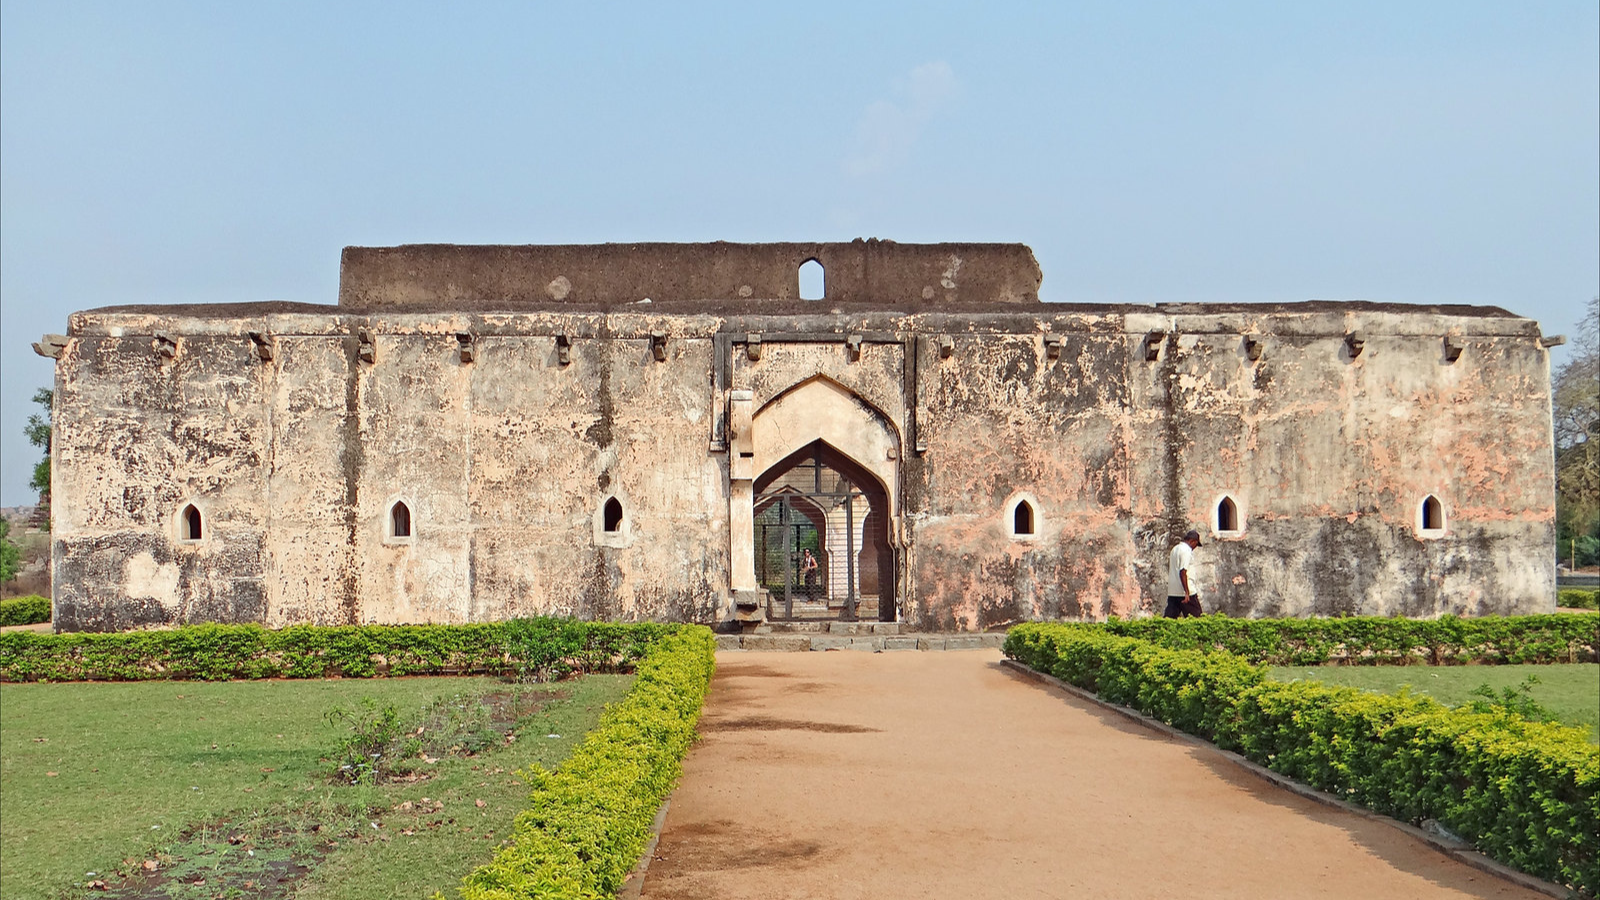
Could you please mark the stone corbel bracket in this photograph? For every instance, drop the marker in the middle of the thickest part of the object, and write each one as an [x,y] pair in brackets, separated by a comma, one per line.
[165,345]
[261,342]
[51,346]
[1152,345]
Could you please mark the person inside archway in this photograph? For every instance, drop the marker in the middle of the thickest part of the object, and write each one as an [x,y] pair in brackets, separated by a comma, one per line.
[808,570]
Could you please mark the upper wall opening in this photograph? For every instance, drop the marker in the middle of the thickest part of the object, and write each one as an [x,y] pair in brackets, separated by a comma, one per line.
[813,280]
[508,277]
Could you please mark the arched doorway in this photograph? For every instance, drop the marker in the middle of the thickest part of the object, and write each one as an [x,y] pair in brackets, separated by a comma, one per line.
[818,504]
[824,451]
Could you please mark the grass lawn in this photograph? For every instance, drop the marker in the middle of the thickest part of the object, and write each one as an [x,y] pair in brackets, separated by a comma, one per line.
[222,787]
[1570,692]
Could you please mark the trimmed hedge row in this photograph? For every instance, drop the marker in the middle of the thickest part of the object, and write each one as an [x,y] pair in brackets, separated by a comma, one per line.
[588,821]
[30,610]
[1372,640]
[533,648]
[1526,793]
[1578,598]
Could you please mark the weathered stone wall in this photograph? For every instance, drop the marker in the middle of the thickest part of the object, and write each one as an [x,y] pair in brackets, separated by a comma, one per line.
[1328,458]
[295,430]
[504,462]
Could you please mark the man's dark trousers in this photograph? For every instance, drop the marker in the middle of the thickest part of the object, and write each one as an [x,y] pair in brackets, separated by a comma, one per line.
[1178,608]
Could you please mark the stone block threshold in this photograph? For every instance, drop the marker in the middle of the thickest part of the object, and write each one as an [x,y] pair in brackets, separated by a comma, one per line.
[874,641]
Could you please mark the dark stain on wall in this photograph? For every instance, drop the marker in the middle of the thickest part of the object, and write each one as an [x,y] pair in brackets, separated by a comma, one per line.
[600,433]
[599,601]
[1173,441]
[1342,566]
[352,452]
[98,561]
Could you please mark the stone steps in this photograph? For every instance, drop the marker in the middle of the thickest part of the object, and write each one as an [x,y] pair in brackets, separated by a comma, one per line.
[866,642]
[828,627]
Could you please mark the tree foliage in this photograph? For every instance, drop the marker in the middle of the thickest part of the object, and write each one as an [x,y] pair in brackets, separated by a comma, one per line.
[1575,402]
[10,554]
[38,432]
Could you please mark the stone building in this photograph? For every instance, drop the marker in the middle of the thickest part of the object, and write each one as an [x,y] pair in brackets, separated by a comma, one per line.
[663,431]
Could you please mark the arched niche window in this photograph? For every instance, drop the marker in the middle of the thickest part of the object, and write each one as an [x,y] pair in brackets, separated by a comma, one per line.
[1227,515]
[1022,519]
[400,520]
[613,516]
[190,524]
[1430,517]
[813,281]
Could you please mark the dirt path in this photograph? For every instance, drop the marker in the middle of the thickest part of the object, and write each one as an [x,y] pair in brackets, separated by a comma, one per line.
[911,775]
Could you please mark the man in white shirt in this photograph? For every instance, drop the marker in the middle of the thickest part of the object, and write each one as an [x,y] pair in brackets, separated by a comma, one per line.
[1182,598]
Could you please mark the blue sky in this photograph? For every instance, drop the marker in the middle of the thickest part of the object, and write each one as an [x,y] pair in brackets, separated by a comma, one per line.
[1423,152]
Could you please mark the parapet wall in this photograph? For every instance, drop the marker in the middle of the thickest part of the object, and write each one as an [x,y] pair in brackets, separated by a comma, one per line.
[860,271]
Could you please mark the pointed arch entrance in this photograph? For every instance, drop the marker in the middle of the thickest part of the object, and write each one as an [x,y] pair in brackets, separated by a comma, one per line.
[814,467]
[822,546]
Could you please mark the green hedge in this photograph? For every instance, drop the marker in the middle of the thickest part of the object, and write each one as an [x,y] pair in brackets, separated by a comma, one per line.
[29,610]
[1371,640]
[588,822]
[1578,598]
[1526,793]
[529,647]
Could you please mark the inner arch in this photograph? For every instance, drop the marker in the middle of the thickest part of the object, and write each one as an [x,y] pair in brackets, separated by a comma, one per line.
[842,519]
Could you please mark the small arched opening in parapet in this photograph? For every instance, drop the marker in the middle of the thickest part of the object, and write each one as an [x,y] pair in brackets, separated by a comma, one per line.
[1430,517]
[612,522]
[813,280]
[190,524]
[400,520]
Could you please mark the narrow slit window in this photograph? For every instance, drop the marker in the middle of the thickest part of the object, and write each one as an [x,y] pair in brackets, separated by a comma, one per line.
[192,529]
[1432,514]
[400,520]
[813,281]
[613,516]
[1227,515]
[1022,519]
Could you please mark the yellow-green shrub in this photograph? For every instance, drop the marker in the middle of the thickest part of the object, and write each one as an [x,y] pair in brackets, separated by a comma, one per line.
[588,822]
[1375,640]
[1526,793]
[1578,598]
[525,647]
[30,610]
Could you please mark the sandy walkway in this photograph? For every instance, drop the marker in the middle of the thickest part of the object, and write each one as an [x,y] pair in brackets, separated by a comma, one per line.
[908,775]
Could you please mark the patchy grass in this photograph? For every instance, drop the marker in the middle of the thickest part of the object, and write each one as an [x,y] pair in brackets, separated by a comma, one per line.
[1571,692]
[225,789]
